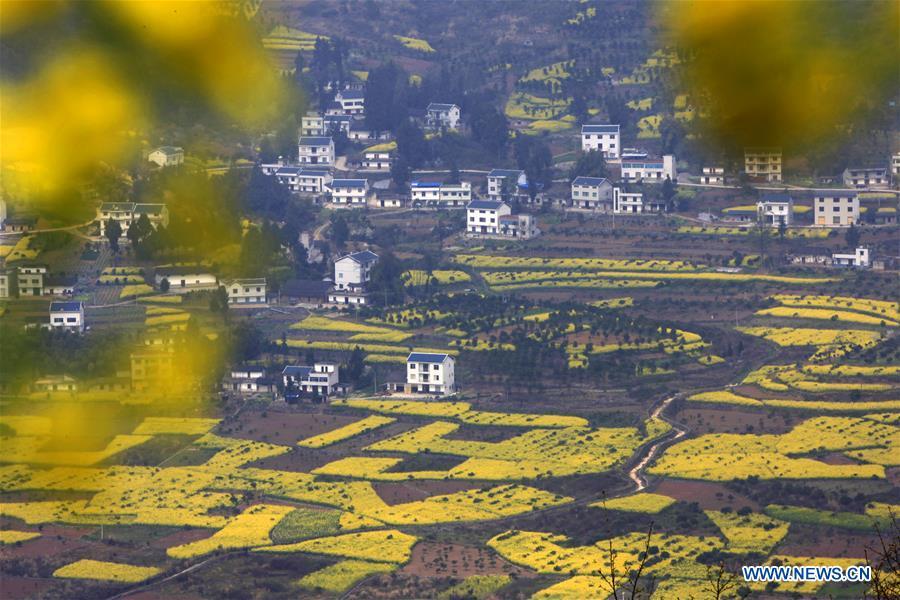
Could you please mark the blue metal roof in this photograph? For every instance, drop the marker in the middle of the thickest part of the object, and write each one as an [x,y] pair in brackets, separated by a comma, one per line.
[505,173]
[297,371]
[352,95]
[315,141]
[599,129]
[65,306]
[426,357]
[364,256]
[776,197]
[348,183]
[425,184]
[485,204]
[589,180]
[439,106]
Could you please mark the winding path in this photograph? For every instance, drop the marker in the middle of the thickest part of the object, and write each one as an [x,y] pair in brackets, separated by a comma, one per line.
[636,474]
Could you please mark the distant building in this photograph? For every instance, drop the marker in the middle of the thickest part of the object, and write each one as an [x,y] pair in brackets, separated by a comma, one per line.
[246,292]
[895,165]
[300,180]
[19,223]
[592,193]
[483,216]
[317,382]
[350,193]
[166,156]
[335,124]
[507,184]
[307,291]
[876,178]
[7,282]
[359,132]
[248,380]
[352,274]
[637,201]
[440,195]
[2,213]
[353,102]
[835,208]
[860,259]
[312,124]
[55,383]
[522,226]
[650,169]
[377,160]
[442,116]
[633,154]
[126,213]
[60,285]
[713,176]
[809,255]
[602,138]
[774,209]
[316,151]
[67,315]
[430,373]
[763,163]
[30,279]
[183,279]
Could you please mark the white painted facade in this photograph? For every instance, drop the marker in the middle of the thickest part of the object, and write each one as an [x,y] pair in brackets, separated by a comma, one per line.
[713,176]
[483,216]
[67,315]
[430,373]
[316,151]
[602,138]
[246,292]
[866,178]
[592,193]
[442,195]
[835,209]
[650,170]
[166,156]
[349,193]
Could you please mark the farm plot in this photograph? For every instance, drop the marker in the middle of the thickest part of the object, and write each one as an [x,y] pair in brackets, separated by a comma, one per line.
[782,378]
[418,277]
[830,343]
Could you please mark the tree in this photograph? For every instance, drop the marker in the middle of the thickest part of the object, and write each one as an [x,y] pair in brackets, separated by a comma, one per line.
[400,172]
[247,341]
[490,129]
[355,365]
[589,164]
[113,233]
[885,562]
[782,229]
[668,193]
[851,236]
[164,285]
[720,581]
[411,144]
[218,302]
[386,286]
[340,231]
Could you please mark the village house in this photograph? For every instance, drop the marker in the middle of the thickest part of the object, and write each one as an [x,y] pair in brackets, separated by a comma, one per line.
[306,291]
[430,373]
[483,216]
[592,193]
[441,195]
[67,315]
[637,201]
[602,138]
[337,124]
[360,132]
[246,292]
[183,279]
[834,208]
[19,223]
[775,209]
[60,285]
[442,116]
[873,178]
[316,151]
[352,273]
[377,159]
[7,282]
[389,199]
[299,180]
[505,185]
[521,226]
[859,259]
[650,169]
[763,163]
[317,382]
[312,124]
[126,213]
[166,156]
[55,383]
[713,176]
[350,193]
[353,102]
[633,154]
[248,380]
[895,166]
[30,279]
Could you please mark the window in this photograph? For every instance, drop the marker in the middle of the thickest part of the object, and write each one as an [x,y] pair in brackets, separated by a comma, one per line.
[71,320]
[436,367]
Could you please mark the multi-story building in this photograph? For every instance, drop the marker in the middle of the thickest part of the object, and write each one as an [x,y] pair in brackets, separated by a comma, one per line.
[833,208]
[895,165]
[861,258]
[442,116]
[67,315]
[60,285]
[713,176]
[483,216]
[300,180]
[353,102]
[350,193]
[7,282]
[763,163]
[650,169]
[521,227]
[352,273]
[507,184]
[377,159]
[430,373]
[312,124]
[317,382]
[30,279]
[246,292]
[592,193]
[335,124]
[317,150]
[183,279]
[166,156]
[248,379]
[442,195]
[602,138]
[127,213]
[628,201]
[876,178]
[775,209]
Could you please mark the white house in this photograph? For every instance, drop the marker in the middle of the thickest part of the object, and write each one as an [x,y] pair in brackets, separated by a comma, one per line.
[316,151]
[442,195]
[603,138]
[774,209]
[833,208]
[430,373]
[895,164]
[376,159]
[6,282]
[312,124]
[335,124]
[522,226]
[349,192]
[442,116]
[246,292]
[763,163]
[650,169]
[246,379]
[166,156]
[592,193]
[183,279]
[60,285]
[67,315]
[30,279]
[300,180]
[318,381]
[507,184]
[353,102]
[859,259]
[628,201]
[713,175]
[127,213]
[866,178]
[483,216]
[351,274]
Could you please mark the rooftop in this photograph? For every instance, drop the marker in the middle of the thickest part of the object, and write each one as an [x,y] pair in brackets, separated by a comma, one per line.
[505,173]
[348,183]
[315,141]
[66,306]
[589,180]
[485,204]
[426,357]
[599,128]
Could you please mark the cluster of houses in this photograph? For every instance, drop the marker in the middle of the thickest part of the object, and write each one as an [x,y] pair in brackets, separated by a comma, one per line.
[28,279]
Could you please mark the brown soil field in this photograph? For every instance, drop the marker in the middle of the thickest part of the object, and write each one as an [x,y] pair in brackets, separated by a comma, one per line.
[14,588]
[441,560]
[54,540]
[282,427]
[402,492]
[181,537]
[804,540]
[710,496]
[714,420]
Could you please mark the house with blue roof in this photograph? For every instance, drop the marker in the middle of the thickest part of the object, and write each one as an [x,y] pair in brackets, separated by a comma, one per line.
[593,194]
[349,193]
[440,195]
[352,102]
[352,273]
[601,138]
[317,383]
[68,316]
[430,373]
[316,150]
[442,116]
